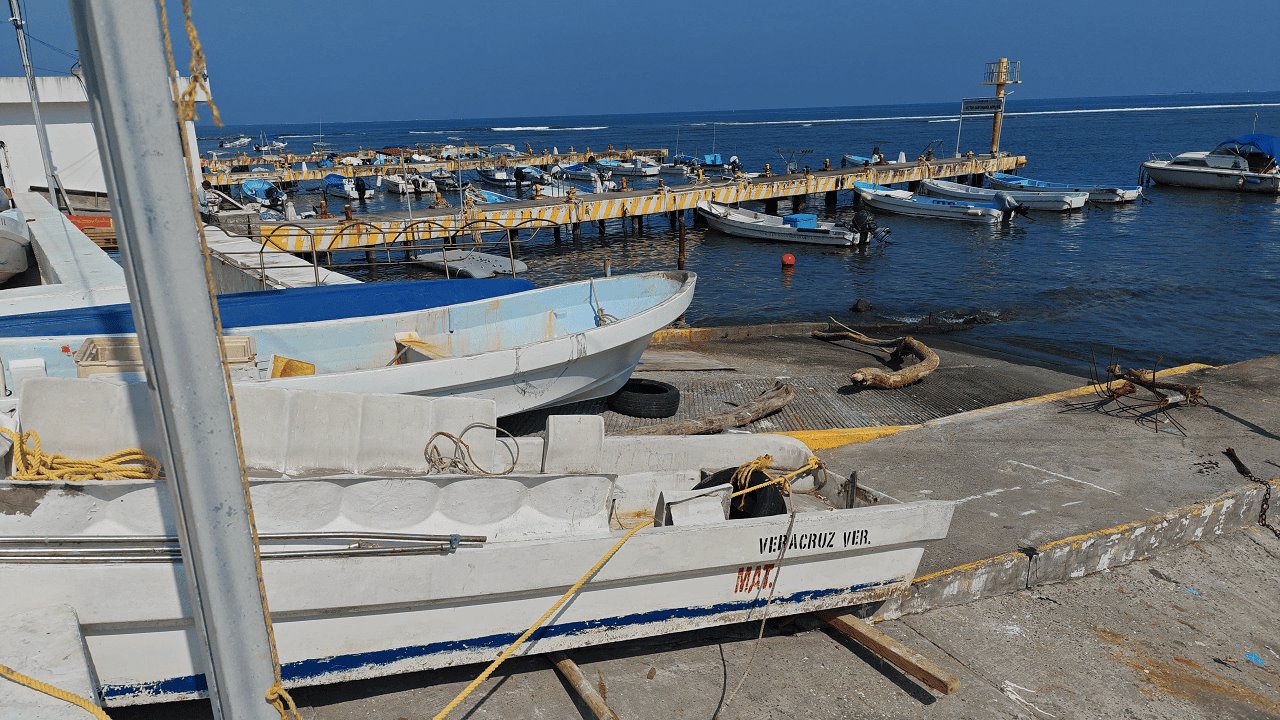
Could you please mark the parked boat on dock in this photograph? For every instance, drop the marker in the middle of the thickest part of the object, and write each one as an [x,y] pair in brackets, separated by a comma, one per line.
[1097,193]
[1243,164]
[801,228]
[1056,201]
[904,202]
[538,348]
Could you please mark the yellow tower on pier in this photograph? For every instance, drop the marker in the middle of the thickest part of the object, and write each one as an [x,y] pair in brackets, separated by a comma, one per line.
[1000,73]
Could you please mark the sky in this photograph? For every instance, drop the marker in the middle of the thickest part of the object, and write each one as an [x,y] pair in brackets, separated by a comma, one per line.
[353,60]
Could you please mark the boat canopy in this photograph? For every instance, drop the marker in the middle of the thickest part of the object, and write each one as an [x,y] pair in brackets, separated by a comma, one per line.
[1268,145]
[276,307]
[334,180]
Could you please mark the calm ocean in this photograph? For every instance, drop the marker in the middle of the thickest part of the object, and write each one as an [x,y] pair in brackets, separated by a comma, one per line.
[1188,276]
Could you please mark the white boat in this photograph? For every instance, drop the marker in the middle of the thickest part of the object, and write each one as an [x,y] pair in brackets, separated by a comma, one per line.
[903,202]
[532,349]
[1097,193]
[235,142]
[673,169]
[761,226]
[470,263]
[15,241]
[581,171]
[1057,201]
[403,185]
[272,146]
[1243,164]
[349,188]
[498,177]
[375,566]
[638,167]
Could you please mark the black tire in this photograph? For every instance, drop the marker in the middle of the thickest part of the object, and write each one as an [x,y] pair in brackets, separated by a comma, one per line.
[646,399]
[764,502]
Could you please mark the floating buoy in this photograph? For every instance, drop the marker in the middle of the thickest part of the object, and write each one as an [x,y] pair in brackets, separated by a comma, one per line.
[788,260]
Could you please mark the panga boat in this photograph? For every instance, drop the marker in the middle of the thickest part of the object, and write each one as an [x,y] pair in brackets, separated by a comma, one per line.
[903,202]
[374,566]
[15,239]
[1097,193]
[531,349]
[1059,201]
[470,263]
[800,228]
[263,192]
[403,185]
[580,171]
[640,166]
[1243,164]
[345,187]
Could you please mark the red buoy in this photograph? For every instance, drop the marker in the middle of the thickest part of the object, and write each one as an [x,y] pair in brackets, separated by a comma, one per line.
[788,260]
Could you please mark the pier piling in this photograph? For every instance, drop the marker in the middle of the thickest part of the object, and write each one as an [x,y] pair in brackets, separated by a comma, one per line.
[771,206]
[831,200]
[576,231]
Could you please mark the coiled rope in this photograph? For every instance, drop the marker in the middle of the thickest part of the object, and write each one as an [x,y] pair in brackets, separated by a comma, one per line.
[745,471]
[30,462]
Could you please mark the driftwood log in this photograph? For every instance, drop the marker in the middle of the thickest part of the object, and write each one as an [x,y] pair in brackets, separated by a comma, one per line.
[769,402]
[1148,380]
[902,347]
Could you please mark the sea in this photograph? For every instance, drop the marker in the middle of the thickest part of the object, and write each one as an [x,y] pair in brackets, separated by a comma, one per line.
[1182,276]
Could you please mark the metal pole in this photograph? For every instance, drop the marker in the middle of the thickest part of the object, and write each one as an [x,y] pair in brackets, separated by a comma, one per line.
[50,172]
[959,126]
[1002,75]
[150,187]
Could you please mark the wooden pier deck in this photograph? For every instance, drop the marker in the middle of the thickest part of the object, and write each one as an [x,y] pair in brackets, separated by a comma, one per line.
[369,231]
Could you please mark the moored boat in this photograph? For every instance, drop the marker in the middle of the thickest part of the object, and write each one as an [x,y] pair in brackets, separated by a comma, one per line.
[1056,201]
[903,202]
[1097,193]
[15,239]
[762,226]
[405,184]
[1243,164]
[235,142]
[581,171]
[538,348]
[349,188]
[637,167]
[470,263]
[263,192]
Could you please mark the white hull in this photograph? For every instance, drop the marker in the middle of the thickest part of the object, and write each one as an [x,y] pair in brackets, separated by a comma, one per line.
[400,613]
[900,202]
[760,226]
[634,170]
[470,263]
[535,349]
[1096,193]
[1165,173]
[1058,202]
[15,238]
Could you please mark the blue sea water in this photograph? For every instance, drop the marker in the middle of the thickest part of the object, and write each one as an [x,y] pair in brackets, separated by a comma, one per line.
[1187,276]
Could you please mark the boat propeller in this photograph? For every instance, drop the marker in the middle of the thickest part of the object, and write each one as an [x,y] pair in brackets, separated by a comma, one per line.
[864,224]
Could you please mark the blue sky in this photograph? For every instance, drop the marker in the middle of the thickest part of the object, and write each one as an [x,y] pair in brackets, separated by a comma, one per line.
[277,61]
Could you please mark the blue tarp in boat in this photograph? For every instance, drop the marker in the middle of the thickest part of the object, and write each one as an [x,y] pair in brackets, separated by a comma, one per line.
[1269,145]
[273,307]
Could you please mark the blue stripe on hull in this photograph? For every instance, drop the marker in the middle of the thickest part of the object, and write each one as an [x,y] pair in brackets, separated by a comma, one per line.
[302,670]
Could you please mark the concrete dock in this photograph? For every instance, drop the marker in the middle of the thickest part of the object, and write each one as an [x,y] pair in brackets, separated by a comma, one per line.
[1097,567]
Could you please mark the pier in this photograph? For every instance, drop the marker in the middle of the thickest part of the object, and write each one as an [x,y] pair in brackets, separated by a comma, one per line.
[314,235]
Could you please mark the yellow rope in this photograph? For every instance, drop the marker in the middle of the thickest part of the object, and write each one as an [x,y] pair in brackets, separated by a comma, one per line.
[54,692]
[30,462]
[199,80]
[744,471]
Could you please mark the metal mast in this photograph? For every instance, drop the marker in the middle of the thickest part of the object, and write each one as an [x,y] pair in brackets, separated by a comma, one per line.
[54,183]
[149,182]
[1000,73]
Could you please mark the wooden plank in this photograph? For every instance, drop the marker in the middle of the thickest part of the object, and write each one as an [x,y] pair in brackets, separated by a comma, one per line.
[570,671]
[678,361]
[895,653]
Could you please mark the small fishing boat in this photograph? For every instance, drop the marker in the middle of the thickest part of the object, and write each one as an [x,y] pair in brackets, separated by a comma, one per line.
[403,185]
[581,171]
[1243,164]
[470,263]
[349,188]
[1097,193]
[803,228]
[272,146]
[532,349]
[1056,201]
[15,239]
[377,563]
[638,167]
[498,177]
[235,142]
[263,192]
[903,202]
[444,179]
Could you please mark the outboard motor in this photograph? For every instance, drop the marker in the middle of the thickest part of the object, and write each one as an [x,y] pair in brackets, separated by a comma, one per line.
[1008,207]
[864,223]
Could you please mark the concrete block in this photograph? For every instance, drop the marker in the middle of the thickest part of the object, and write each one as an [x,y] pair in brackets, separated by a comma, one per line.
[575,443]
[960,585]
[47,645]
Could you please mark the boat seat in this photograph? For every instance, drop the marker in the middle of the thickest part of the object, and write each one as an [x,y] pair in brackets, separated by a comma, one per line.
[285,431]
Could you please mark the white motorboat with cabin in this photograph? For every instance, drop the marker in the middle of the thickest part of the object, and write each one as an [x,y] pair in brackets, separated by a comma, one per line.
[349,188]
[904,202]
[798,228]
[1097,193]
[581,171]
[1243,164]
[1056,201]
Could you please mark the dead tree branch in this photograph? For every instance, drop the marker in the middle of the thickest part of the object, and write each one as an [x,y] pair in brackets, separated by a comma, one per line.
[902,347]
